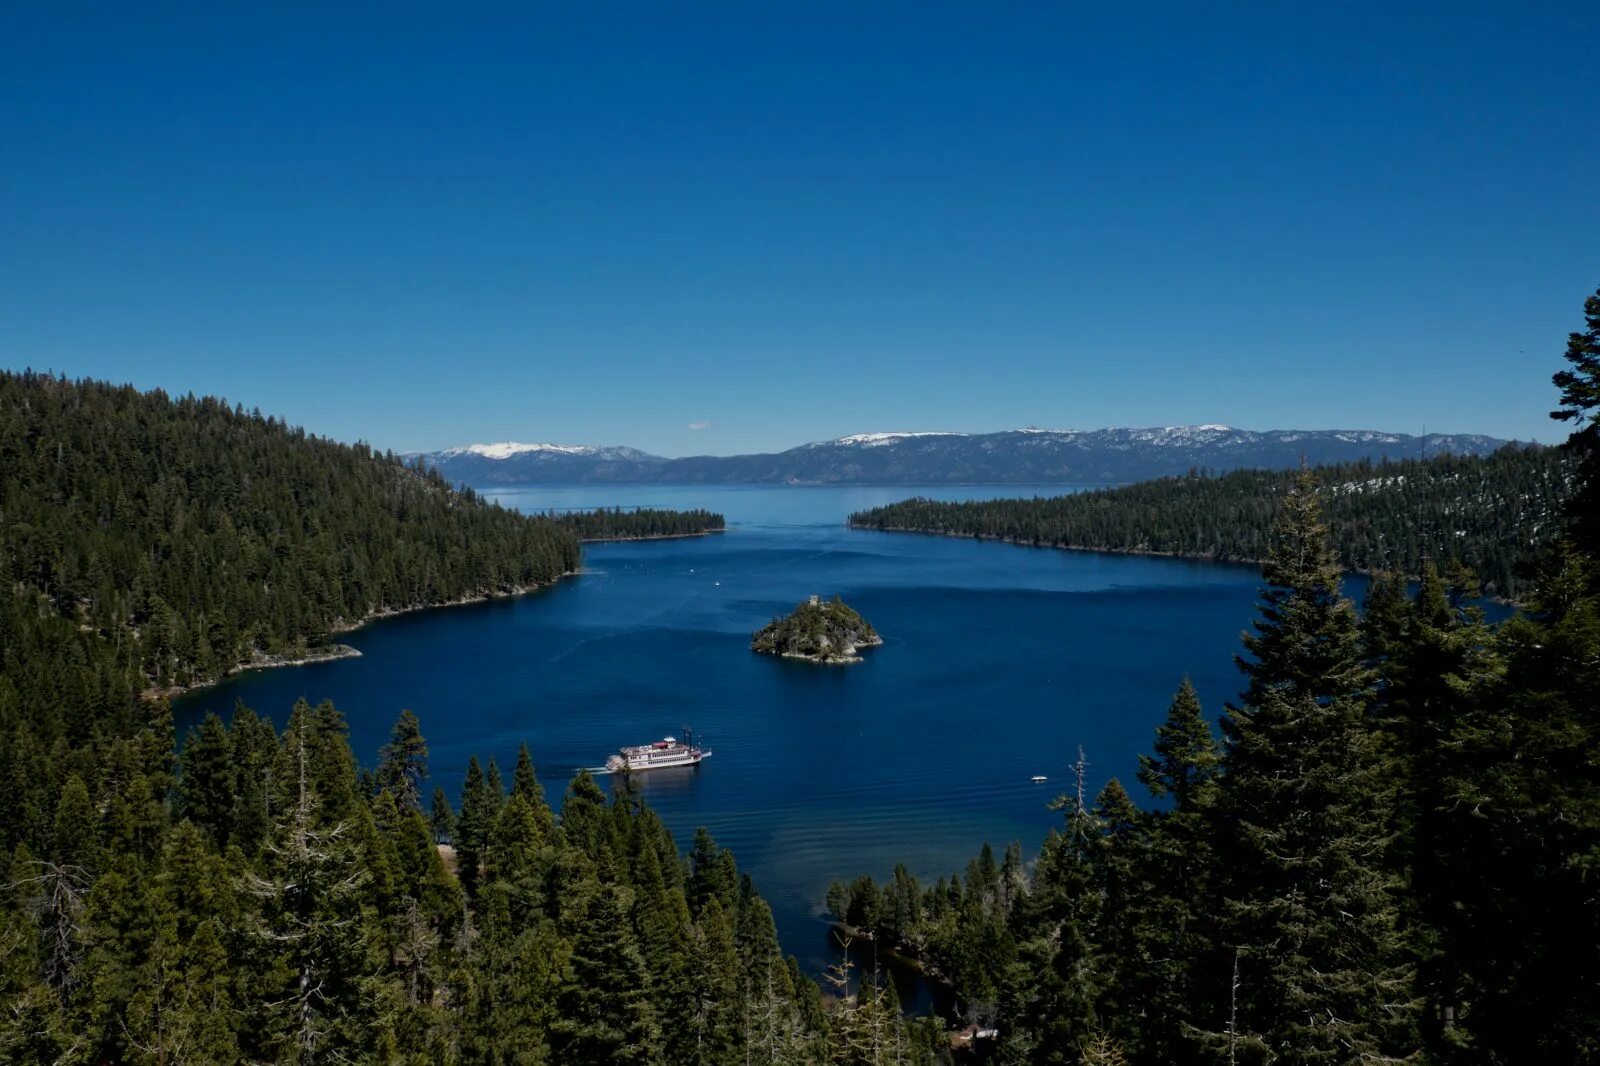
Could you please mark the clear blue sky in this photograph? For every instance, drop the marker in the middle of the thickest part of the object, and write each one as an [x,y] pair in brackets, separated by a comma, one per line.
[428,226]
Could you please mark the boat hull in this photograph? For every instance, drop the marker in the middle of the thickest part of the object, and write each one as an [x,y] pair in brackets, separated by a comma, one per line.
[634,764]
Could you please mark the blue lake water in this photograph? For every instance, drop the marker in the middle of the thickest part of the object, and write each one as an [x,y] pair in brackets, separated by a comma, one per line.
[998,662]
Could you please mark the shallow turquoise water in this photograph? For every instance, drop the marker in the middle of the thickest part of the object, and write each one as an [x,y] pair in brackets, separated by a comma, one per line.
[999,661]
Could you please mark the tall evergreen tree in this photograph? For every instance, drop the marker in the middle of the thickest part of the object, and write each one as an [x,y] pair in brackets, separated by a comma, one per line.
[309,922]
[1174,922]
[478,808]
[525,783]
[1304,808]
[1580,403]
[1186,762]
[1520,792]
[210,783]
[441,819]
[77,830]
[605,1012]
[1048,1008]
[403,763]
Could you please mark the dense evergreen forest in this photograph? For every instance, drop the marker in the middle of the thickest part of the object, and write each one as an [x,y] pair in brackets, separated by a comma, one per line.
[265,900]
[1492,514]
[183,536]
[639,523]
[1391,854]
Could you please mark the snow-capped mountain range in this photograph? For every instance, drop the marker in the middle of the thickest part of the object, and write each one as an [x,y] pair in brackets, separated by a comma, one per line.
[926,457]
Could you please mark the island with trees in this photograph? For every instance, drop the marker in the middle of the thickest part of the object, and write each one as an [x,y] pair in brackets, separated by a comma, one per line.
[822,631]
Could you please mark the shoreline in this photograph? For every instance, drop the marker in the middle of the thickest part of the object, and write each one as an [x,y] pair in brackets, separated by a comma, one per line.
[460,601]
[1146,552]
[1019,542]
[650,536]
[843,660]
[326,654]
[335,651]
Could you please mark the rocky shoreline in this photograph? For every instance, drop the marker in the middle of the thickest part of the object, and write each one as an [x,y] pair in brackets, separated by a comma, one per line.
[847,654]
[331,652]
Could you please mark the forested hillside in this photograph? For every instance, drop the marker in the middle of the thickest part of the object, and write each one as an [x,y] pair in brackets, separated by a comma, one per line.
[1492,513]
[184,536]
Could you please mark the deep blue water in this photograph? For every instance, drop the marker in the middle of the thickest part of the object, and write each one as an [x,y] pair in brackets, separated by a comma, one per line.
[999,661]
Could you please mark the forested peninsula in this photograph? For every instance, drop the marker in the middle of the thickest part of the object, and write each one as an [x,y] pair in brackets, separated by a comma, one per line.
[172,539]
[1493,514]
[638,523]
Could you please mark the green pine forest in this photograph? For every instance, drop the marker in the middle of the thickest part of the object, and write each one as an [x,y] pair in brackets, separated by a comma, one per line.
[640,523]
[1493,514]
[1391,852]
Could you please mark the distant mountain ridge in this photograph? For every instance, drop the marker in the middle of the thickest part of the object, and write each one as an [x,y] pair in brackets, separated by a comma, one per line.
[1020,456]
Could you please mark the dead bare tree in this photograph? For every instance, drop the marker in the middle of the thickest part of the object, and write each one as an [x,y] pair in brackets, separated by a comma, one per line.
[55,894]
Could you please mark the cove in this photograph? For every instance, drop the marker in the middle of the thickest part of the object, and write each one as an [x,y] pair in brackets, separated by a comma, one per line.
[998,662]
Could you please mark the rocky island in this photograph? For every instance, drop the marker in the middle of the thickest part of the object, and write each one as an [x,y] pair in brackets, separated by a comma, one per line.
[818,630]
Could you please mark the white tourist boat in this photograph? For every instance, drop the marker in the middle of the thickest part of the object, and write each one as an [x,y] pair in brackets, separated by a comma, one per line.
[668,751]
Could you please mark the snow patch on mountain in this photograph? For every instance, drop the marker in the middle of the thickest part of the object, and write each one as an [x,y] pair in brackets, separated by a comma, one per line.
[506,449]
[874,440]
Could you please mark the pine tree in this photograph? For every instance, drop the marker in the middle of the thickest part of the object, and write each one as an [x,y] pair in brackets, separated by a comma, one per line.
[714,968]
[403,762]
[309,923]
[1519,786]
[1185,766]
[77,830]
[711,874]
[472,829]
[605,1013]
[20,906]
[525,783]
[585,825]
[1308,898]
[1122,864]
[1048,1004]
[254,754]
[1174,916]
[495,788]
[661,922]
[421,877]
[515,861]
[441,819]
[1580,403]
[209,785]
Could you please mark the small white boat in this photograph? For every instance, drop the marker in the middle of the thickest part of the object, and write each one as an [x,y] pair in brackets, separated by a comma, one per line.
[1038,778]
